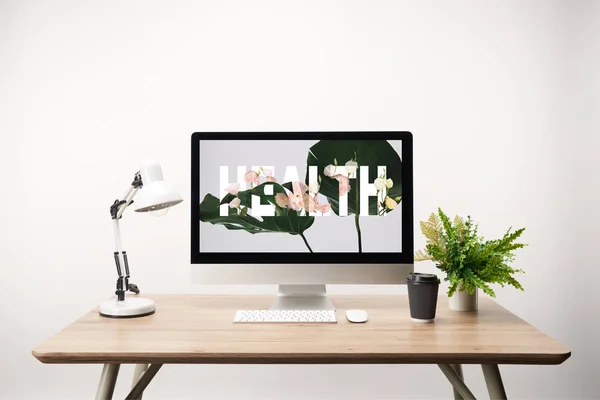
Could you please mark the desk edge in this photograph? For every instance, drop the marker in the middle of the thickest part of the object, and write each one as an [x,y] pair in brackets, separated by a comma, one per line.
[302,358]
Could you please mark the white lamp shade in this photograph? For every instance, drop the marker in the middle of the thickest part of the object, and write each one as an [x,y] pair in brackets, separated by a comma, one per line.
[155,193]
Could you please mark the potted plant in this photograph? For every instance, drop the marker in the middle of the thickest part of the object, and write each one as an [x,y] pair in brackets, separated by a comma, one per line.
[469,261]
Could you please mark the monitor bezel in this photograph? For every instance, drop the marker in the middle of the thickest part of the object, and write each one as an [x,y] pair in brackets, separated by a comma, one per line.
[405,257]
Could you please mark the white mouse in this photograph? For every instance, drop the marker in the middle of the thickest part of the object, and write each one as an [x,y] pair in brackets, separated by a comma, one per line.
[357,316]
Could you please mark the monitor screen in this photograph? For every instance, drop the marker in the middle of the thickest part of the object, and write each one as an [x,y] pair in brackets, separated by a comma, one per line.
[302,197]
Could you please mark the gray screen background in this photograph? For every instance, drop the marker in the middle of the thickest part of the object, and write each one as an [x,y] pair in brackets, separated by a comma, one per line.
[327,234]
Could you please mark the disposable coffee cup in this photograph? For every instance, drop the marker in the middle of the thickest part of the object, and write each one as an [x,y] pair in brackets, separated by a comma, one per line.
[422,296]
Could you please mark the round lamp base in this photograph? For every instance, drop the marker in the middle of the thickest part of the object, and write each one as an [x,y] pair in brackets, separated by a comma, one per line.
[131,307]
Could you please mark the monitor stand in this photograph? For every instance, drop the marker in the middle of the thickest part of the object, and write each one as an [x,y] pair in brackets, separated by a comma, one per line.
[302,297]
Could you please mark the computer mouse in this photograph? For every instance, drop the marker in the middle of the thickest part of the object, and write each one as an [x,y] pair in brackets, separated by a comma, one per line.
[357,316]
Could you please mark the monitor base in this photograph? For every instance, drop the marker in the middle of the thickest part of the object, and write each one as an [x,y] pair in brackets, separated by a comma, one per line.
[302,297]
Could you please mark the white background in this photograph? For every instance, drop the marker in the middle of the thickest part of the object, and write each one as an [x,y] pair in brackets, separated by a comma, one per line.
[502,98]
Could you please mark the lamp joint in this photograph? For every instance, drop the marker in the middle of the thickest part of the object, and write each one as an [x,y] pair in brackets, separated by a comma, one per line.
[132,287]
[120,292]
[114,209]
[137,181]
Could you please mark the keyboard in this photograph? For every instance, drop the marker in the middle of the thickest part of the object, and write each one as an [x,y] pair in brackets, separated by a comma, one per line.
[285,316]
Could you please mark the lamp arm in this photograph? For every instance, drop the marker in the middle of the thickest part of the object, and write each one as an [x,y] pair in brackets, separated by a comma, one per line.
[118,207]
[116,211]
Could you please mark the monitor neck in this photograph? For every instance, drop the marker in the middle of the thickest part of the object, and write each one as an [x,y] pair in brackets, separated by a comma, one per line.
[302,297]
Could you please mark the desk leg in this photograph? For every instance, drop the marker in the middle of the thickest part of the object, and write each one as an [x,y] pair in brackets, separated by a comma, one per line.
[108,379]
[456,382]
[137,374]
[143,382]
[493,381]
[458,369]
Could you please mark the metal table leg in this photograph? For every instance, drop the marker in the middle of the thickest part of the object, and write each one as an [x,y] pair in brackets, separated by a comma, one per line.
[143,382]
[493,381]
[137,374]
[108,379]
[456,382]
[458,369]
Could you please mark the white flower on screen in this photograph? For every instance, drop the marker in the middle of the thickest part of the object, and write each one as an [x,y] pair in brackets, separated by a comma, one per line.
[380,184]
[235,203]
[329,170]
[389,183]
[351,166]
[313,188]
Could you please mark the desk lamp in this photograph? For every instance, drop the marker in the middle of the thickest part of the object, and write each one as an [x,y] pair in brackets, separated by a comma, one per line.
[154,195]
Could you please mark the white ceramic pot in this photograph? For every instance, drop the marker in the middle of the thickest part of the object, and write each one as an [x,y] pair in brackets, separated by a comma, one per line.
[463,301]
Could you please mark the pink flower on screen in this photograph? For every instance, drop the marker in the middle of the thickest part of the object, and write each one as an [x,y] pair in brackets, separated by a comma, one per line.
[295,201]
[233,188]
[298,187]
[267,171]
[324,208]
[310,202]
[344,184]
[282,200]
[271,179]
[252,176]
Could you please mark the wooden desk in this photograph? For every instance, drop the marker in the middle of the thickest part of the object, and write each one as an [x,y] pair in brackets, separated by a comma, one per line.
[198,329]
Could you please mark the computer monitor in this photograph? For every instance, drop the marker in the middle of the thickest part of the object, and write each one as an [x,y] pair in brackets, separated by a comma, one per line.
[301,209]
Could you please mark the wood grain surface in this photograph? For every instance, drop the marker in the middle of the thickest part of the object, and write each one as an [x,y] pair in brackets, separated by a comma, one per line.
[199,329]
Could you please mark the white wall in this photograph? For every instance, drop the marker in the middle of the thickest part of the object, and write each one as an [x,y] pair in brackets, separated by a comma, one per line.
[502,98]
